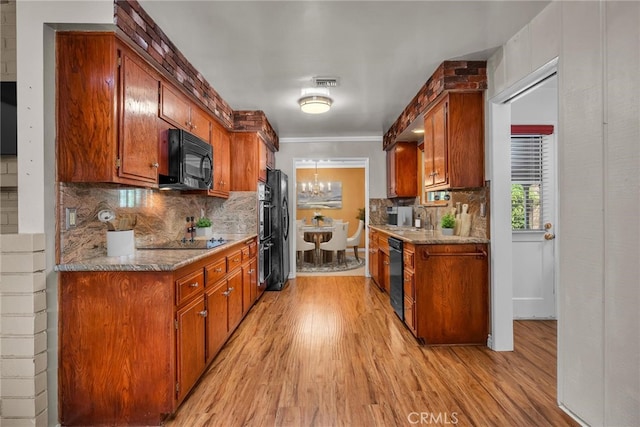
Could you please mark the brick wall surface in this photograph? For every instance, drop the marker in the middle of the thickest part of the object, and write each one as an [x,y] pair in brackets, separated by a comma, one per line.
[131,18]
[450,75]
[256,121]
[23,340]
[8,41]
[8,195]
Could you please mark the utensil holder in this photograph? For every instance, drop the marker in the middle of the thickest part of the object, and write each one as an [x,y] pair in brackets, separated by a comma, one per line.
[120,243]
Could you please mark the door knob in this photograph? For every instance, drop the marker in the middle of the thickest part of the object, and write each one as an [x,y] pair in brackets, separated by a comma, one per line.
[549,236]
[548,226]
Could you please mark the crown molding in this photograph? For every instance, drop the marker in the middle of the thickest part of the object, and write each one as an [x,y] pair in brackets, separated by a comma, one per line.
[325,139]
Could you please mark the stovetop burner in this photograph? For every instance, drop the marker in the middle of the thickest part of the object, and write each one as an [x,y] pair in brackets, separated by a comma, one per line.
[188,244]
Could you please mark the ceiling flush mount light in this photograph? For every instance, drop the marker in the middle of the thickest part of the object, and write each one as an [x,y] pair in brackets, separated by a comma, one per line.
[315,104]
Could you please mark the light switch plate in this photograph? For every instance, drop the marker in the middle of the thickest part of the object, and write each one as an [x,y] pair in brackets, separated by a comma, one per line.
[72,217]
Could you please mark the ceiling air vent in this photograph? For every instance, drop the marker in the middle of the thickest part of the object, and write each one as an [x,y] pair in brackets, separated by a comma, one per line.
[325,81]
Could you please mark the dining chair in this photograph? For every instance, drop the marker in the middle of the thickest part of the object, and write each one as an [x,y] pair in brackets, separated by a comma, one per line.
[338,242]
[354,240]
[302,245]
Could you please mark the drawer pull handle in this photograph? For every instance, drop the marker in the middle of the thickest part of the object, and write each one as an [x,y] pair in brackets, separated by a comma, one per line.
[155,165]
[226,293]
[218,270]
[480,254]
[231,290]
[251,271]
[203,313]
[193,285]
[236,260]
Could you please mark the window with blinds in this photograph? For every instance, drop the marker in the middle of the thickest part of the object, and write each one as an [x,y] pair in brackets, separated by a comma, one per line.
[530,168]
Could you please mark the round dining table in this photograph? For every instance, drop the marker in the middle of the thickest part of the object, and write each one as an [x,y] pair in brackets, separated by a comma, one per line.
[317,234]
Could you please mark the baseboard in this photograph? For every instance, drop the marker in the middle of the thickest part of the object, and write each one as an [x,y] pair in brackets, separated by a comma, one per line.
[572,415]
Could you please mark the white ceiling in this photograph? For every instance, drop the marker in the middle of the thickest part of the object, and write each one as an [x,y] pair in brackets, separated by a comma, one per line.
[259,55]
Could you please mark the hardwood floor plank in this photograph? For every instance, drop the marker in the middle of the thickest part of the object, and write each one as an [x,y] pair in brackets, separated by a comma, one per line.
[330,351]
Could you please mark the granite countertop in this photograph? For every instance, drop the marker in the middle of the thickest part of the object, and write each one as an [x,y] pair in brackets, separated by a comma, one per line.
[151,259]
[424,237]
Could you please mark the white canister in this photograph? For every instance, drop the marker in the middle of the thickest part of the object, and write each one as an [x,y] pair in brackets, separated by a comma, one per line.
[120,243]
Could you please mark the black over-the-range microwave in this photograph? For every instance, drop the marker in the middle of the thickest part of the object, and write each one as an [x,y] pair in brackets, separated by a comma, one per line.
[190,162]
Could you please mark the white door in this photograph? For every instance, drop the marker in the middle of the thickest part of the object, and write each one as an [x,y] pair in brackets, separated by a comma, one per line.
[533,237]
[533,178]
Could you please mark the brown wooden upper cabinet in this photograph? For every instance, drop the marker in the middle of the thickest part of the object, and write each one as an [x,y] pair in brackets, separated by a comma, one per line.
[251,158]
[221,141]
[180,111]
[107,98]
[402,170]
[454,142]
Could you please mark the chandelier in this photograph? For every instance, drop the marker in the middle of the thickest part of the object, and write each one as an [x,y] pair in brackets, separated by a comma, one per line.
[316,188]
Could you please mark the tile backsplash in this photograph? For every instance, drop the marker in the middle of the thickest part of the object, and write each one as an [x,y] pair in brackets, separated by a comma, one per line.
[161,215]
[473,197]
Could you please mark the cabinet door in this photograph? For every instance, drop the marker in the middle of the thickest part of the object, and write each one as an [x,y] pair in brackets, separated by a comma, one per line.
[253,284]
[385,271]
[271,159]
[138,128]
[246,288]
[452,294]
[244,168]
[409,301]
[435,145]
[262,161]
[235,299]
[190,345]
[221,161]
[440,143]
[174,107]
[402,170]
[427,171]
[200,123]
[217,318]
[373,256]
[391,172]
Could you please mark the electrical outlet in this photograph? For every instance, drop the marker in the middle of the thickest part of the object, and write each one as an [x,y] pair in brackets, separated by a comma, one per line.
[72,217]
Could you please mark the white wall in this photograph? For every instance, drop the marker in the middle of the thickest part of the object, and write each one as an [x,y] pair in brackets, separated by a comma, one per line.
[371,149]
[598,159]
[363,148]
[539,107]
[36,137]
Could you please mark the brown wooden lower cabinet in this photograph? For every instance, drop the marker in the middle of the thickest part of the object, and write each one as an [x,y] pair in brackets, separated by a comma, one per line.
[132,344]
[449,293]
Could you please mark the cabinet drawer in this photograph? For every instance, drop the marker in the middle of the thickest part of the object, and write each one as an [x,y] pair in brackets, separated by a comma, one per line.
[245,253]
[408,258]
[409,314]
[409,286]
[216,271]
[234,260]
[383,243]
[253,249]
[189,285]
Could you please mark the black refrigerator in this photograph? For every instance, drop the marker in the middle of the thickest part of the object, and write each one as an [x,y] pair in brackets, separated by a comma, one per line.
[278,182]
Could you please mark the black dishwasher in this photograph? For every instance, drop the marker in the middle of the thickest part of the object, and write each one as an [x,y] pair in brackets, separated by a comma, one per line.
[396,291]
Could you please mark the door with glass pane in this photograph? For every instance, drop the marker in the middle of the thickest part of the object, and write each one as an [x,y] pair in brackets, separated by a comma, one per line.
[533,217]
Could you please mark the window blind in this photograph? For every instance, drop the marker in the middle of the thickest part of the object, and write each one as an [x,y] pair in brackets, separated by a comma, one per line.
[530,168]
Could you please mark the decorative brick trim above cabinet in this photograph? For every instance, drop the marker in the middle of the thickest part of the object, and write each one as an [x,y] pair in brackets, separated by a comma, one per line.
[450,75]
[244,120]
[131,18]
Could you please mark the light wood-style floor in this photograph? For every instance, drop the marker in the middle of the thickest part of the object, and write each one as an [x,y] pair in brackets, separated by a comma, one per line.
[329,351]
